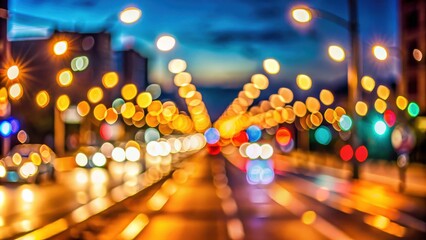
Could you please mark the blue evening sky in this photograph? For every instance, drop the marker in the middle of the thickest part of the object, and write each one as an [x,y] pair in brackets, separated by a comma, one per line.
[224,41]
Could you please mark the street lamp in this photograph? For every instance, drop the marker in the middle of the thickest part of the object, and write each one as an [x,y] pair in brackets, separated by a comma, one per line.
[380,52]
[12,72]
[166,43]
[336,53]
[303,14]
[130,15]
[60,47]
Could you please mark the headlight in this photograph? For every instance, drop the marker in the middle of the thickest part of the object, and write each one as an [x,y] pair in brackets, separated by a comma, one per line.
[2,171]
[81,159]
[99,159]
[28,169]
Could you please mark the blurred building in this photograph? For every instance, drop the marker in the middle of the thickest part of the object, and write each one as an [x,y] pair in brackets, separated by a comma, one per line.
[3,31]
[413,47]
[40,66]
[132,67]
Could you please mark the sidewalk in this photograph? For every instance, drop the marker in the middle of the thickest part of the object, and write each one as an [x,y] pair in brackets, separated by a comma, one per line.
[382,172]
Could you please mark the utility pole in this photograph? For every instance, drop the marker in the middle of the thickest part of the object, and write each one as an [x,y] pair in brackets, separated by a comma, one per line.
[353,78]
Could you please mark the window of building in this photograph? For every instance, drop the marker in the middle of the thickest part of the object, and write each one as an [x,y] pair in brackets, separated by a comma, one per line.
[412,20]
[412,85]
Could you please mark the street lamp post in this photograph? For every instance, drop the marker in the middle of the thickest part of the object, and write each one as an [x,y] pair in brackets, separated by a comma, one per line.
[353,76]
[304,15]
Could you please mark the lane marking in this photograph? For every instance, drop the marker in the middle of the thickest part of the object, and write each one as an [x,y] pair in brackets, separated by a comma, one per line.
[47,231]
[284,198]
[135,227]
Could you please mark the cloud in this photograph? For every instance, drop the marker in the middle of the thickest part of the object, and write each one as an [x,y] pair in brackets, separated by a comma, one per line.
[261,36]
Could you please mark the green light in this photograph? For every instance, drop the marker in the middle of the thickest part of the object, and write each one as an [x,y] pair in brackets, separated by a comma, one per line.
[323,135]
[117,104]
[380,127]
[79,64]
[345,123]
[413,109]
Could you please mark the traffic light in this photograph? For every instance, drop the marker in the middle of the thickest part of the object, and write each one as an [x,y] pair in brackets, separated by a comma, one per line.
[380,127]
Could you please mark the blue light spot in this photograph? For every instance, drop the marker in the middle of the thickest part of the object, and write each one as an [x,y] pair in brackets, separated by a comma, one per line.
[212,135]
[5,128]
[254,133]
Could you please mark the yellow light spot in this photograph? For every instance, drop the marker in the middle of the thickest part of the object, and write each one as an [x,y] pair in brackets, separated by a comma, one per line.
[111,116]
[309,217]
[16,91]
[380,105]
[303,81]
[63,102]
[312,104]
[338,113]
[83,108]
[42,99]
[316,119]
[401,102]
[138,116]
[383,92]
[361,108]
[60,47]
[166,43]
[182,79]
[64,78]
[35,158]
[271,66]
[16,159]
[381,222]
[177,66]
[95,94]
[151,120]
[329,115]
[260,81]
[128,110]
[129,91]
[368,83]
[144,99]
[110,79]
[12,72]
[326,97]
[299,108]
[3,95]
[336,53]
[130,15]
[301,15]
[187,91]
[287,94]
[276,101]
[250,91]
[155,108]
[99,112]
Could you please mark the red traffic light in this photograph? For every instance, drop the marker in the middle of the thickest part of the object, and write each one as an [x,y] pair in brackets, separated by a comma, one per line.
[361,154]
[346,152]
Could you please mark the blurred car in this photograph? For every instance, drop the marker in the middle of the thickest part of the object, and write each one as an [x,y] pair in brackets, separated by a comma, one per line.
[89,157]
[28,163]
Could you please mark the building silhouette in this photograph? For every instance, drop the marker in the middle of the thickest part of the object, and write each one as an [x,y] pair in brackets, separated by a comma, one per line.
[413,39]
